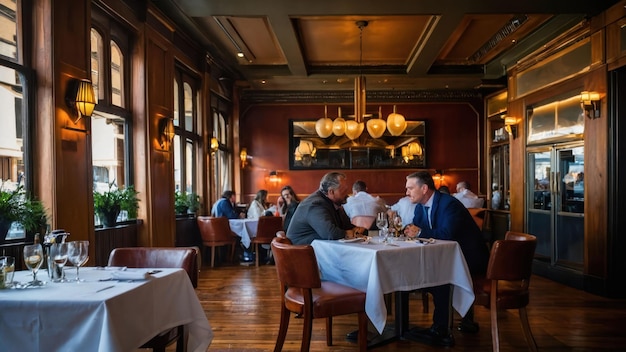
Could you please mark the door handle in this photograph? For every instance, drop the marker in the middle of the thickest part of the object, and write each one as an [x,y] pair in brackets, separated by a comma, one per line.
[557,183]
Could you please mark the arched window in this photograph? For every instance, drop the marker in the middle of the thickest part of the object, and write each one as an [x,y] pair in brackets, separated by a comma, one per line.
[111,150]
[16,115]
[187,126]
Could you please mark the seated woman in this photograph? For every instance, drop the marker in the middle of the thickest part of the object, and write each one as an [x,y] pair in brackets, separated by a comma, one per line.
[257,207]
[287,204]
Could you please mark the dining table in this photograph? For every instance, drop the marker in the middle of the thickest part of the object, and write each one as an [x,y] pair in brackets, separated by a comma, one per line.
[112,309]
[244,228]
[377,268]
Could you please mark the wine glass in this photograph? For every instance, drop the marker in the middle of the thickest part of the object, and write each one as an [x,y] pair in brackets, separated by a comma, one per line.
[397,224]
[33,258]
[78,254]
[382,224]
[59,254]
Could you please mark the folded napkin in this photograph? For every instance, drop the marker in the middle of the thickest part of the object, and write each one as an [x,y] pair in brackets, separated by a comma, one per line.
[130,275]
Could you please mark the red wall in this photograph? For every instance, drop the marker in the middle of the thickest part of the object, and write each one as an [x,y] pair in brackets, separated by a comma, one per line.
[454,143]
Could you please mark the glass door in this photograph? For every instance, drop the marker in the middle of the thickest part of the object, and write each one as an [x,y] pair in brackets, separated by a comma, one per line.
[555,210]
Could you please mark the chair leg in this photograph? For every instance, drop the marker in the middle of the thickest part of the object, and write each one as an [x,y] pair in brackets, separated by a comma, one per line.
[282,330]
[363,322]
[530,340]
[493,307]
[307,330]
[212,256]
[425,302]
[256,254]
[329,331]
[232,252]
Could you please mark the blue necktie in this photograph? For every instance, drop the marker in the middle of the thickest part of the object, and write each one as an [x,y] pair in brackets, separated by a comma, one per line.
[426,215]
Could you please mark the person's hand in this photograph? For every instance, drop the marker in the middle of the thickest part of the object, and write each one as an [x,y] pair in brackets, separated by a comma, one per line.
[355,232]
[279,202]
[411,231]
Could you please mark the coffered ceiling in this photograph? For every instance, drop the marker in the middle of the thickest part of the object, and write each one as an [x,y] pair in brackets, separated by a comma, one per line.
[297,45]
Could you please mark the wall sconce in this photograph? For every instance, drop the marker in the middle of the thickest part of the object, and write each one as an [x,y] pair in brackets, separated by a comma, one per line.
[166,132]
[510,125]
[243,155]
[590,102]
[214,145]
[80,98]
[274,176]
[438,176]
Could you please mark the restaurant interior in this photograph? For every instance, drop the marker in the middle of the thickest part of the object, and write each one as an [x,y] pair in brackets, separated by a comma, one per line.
[181,100]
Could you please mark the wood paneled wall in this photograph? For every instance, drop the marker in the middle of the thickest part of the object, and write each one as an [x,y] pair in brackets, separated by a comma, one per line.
[453,143]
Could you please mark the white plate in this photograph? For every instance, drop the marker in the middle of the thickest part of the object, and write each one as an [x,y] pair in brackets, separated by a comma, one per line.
[351,240]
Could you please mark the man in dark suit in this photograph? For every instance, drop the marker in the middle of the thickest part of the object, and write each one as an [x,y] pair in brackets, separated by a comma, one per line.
[441,216]
[321,215]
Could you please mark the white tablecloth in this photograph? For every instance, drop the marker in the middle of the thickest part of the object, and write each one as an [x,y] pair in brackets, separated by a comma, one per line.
[76,317]
[377,269]
[244,228]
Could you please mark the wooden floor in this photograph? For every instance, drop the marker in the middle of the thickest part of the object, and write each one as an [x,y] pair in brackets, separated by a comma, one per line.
[242,306]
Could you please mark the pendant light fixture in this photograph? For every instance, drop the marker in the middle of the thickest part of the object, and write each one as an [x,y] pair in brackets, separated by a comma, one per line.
[353,129]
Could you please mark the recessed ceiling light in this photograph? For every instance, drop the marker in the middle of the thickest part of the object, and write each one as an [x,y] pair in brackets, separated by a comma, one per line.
[240,54]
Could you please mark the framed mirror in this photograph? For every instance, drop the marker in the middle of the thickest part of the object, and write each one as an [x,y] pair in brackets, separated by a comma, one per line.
[310,151]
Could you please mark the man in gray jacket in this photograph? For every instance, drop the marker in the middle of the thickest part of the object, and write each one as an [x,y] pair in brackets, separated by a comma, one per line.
[321,215]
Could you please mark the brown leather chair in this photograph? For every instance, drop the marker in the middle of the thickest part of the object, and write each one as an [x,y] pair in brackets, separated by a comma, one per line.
[307,295]
[215,232]
[478,214]
[160,257]
[505,285]
[266,230]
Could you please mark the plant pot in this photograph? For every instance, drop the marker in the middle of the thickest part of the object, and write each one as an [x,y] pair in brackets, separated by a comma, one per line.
[109,219]
[5,225]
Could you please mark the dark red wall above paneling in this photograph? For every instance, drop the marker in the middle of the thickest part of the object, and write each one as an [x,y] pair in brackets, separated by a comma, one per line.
[454,144]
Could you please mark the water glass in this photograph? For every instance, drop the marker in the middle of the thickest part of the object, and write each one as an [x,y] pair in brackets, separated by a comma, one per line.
[78,254]
[33,258]
[7,269]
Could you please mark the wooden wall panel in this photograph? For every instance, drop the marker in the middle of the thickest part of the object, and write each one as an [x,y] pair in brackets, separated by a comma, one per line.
[452,144]
[160,180]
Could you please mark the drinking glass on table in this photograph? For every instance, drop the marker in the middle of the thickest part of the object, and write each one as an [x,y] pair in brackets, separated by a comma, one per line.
[382,224]
[59,254]
[397,224]
[33,258]
[7,269]
[78,254]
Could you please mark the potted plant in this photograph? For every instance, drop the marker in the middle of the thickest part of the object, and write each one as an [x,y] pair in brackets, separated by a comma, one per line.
[17,205]
[109,204]
[193,201]
[186,203]
[181,205]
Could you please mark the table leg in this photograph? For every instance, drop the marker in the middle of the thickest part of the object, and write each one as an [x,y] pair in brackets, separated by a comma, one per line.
[395,331]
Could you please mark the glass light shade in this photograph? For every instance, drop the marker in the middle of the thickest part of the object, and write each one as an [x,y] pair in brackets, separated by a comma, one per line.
[396,124]
[214,145]
[376,127]
[243,155]
[354,129]
[510,120]
[324,127]
[297,156]
[85,98]
[339,126]
[305,147]
[415,148]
